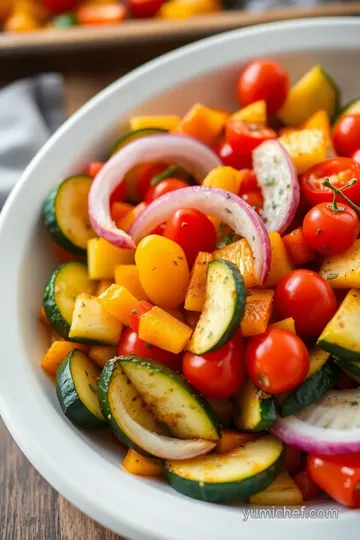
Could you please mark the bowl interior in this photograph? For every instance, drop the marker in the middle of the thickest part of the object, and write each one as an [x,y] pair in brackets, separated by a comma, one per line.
[30,262]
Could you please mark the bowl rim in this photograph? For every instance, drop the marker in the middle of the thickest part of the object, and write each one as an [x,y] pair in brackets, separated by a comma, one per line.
[143,512]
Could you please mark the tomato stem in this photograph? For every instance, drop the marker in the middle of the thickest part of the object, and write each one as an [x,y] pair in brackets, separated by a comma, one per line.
[334,206]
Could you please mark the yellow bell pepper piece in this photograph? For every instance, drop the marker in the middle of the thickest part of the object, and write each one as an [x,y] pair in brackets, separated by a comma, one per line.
[166,121]
[118,301]
[257,312]
[202,123]
[282,491]
[285,324]
[100,355]
[224,178]
[127,275]
[254,113]
[280,264]
[56,354]
[195,296]
[141,465]
[184,9]
[103,257]
[313,92]
[102,286]
[161,329]
[306,147]
[320,120]
[343,271]
[240,254]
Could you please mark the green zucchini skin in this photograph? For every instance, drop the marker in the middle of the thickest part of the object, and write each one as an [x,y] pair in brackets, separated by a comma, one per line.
[103,389]
[161,369]
[267,414]
[350,367]
[337,92]
[51,308]
[69,399]
[338,351]
[310,390]
[205,327]
[219,492]
[245,401]
[49,217]
[132,135]
[352,106]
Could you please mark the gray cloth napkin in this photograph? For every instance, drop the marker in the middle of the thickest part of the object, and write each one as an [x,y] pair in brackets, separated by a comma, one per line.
[30,111]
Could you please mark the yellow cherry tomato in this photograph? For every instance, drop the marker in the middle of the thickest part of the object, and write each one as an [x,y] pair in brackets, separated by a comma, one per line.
[163,270]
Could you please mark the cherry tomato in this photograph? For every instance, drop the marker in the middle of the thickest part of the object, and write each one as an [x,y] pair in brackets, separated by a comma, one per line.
[356,156]
[159,230]
[191,318]
[144,9]
[346,134]
[248,181]
[277,360]
[193,231]
[244,137]
[263,79]
[231,159]
[94,168]
[139,178]
[339,171]
[130,343]
[292,459]
[306,485]
[60,6]
[327,231]
[101,14]
[255,199]
[170,184]
[219,374]
[135,315]
[306,297]
[337,475]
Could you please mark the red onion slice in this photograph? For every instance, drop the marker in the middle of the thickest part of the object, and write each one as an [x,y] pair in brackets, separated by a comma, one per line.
[329,426]
[218,203]
[188,153]
[278,181]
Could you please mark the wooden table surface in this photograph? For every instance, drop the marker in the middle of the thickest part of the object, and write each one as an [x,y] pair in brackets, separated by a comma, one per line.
[30,509]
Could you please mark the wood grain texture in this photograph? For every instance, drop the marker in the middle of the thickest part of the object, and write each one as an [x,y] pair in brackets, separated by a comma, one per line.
[30,509]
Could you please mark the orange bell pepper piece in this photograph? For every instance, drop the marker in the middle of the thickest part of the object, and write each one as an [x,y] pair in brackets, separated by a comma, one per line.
[298,250]
[101,15]
[202,123]
[257,312]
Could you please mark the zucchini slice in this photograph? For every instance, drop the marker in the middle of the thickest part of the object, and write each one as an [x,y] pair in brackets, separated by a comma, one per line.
[171,399]
[133,423]
[309,391]
[350,108]
[76,389]
[132,135]
[224,477]
[340,336]
[65,284]
[254,409]
[65,214]
[350,367]
[93,324]
[223,309]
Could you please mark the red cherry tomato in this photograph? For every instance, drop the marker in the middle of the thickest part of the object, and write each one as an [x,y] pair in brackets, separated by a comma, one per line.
[338,476]
[346,134]
[219,374]
[94,168]
[130,343]
[244,137]
[356,156]
[135,315]
[339,171]
[263,79]
[231,159]
[277,360]
[60,6]
[191,318]
[193,231]
[248,181]
[141,176]
[255,199]
[292,460]
[306,297]
[159,229]
[119,193]
[306,485]
[144,9]
[327,231]
[170,184]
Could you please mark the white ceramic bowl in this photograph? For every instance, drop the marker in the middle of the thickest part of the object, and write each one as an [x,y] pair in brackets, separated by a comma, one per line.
[84,468]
